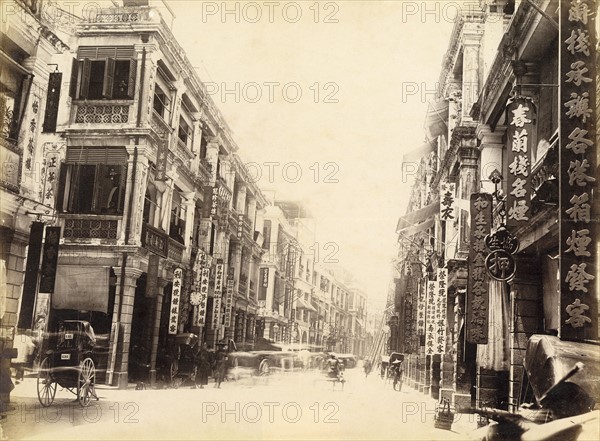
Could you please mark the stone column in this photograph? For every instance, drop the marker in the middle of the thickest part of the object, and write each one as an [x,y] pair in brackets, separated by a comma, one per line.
[491,154]
[212,156]
[136,190]
[252,214]
[189,202]
[123,314]
[467,180]
[158,302]
[471,68]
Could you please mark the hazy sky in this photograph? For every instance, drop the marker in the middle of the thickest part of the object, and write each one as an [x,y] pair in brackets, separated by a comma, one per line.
[370,73]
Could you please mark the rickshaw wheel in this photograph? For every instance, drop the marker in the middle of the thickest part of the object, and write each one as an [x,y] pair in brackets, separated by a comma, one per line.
[173,369]
[46,387]
[264,368]
[85,383]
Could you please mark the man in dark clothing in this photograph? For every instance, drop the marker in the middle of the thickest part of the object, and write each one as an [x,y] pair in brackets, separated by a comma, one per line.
[203,366]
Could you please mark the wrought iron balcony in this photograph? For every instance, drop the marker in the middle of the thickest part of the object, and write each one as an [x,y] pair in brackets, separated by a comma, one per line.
[89,226]
[102,112]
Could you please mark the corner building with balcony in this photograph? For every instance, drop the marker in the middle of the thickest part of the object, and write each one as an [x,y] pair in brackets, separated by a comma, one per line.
[148,177]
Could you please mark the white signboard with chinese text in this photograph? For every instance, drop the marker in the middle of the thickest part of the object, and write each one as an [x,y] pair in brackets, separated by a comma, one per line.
[440,312]
[447,201]
[175,300]
[430,324]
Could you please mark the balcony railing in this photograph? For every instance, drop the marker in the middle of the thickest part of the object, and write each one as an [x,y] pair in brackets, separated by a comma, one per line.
[155,240]
[86,226]
[101,112]
[175,251]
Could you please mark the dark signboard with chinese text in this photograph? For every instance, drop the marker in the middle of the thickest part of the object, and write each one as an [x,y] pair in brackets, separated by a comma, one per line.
[519,134]
[49,259]
[477,288]
[578,207]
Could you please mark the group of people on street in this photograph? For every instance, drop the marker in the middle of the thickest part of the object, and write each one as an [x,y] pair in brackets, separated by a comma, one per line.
[209,362]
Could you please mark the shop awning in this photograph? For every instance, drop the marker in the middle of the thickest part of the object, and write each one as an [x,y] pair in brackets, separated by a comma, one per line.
[416,217]
[417,154]
[436,121]
[414,229]
[548,359]
[82,288]
[301,303]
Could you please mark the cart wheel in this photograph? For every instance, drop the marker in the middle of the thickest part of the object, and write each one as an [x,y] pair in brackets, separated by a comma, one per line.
[85,384]
[173,369]
[264,368]
[46,387]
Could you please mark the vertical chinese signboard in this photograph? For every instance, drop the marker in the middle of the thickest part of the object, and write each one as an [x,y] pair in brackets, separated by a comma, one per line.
[216,321]
[430,323]
[202,287]
[447,201]
[175,300]
[49,259]
[477,303]
[421,307]
[228,302]
[520,132]
[240,226]
[440,310]
[577,163]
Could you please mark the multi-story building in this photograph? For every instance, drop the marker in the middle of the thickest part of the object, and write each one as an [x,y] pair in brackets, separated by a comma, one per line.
[142,176]
[502,63]
[29,92]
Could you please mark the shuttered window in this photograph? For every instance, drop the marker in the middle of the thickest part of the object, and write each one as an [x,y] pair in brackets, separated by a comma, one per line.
[96,155]
[103,72]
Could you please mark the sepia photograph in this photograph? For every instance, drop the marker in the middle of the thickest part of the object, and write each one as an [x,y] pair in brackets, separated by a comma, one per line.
[299,220]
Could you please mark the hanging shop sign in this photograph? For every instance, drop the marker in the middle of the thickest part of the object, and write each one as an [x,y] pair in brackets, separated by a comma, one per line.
[49,259]
[240,226]
[578,204]
[228,302]
[521,129]
[214,201]
[161,161]
[500,263]
[218,294]
[477,302]
[447,201]
[264,276]
[430,323]
[421,308]
[441,310]
[175,300]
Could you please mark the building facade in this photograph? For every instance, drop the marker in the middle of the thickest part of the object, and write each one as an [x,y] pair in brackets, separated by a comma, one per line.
[490,166]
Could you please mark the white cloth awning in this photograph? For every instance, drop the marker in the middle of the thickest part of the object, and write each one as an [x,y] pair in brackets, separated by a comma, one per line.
[82,288]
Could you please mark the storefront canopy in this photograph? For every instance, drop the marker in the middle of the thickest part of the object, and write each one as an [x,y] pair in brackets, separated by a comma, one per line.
[301,303]
[548,359]
[436,119]
[416,217]
[419,153]
[82,288]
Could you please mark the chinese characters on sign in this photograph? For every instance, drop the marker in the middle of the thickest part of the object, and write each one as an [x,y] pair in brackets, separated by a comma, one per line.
[218,295]
[175,300]
[447,205]
[240,226]
[477,286]
[440,310]
[49,259]
[430,322]
[264,276]
[202,280]
[228,302]
[577,161]
[521,118]
[421,313]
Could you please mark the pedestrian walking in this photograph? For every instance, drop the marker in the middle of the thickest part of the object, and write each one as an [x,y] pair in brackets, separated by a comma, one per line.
[221,367]
[367,366]
[203,366]
[25,350]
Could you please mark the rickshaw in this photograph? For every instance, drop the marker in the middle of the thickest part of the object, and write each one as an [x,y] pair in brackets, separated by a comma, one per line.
[180,361]
[69,363]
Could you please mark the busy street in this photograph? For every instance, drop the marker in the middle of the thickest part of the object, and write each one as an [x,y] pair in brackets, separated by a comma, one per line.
[294,405]
[348,219]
